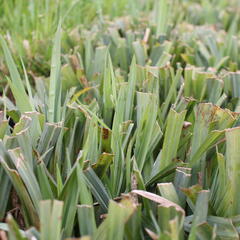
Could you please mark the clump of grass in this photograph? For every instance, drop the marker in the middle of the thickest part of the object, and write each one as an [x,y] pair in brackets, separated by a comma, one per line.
[122,127]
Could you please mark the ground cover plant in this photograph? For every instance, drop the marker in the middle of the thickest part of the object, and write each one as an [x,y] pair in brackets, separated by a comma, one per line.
[119,119]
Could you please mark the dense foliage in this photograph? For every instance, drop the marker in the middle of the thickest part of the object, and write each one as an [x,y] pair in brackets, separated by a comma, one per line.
[119,119]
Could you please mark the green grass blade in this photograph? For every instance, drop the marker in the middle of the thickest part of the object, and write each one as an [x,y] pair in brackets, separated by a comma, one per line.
[54,100]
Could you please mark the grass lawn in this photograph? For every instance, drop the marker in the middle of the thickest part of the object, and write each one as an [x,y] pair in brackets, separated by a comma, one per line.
[119,119]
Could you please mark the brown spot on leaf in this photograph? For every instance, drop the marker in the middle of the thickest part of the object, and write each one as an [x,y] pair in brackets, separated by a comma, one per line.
[105,133]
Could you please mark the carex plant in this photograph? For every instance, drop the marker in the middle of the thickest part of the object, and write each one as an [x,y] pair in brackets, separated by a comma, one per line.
[122,125]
